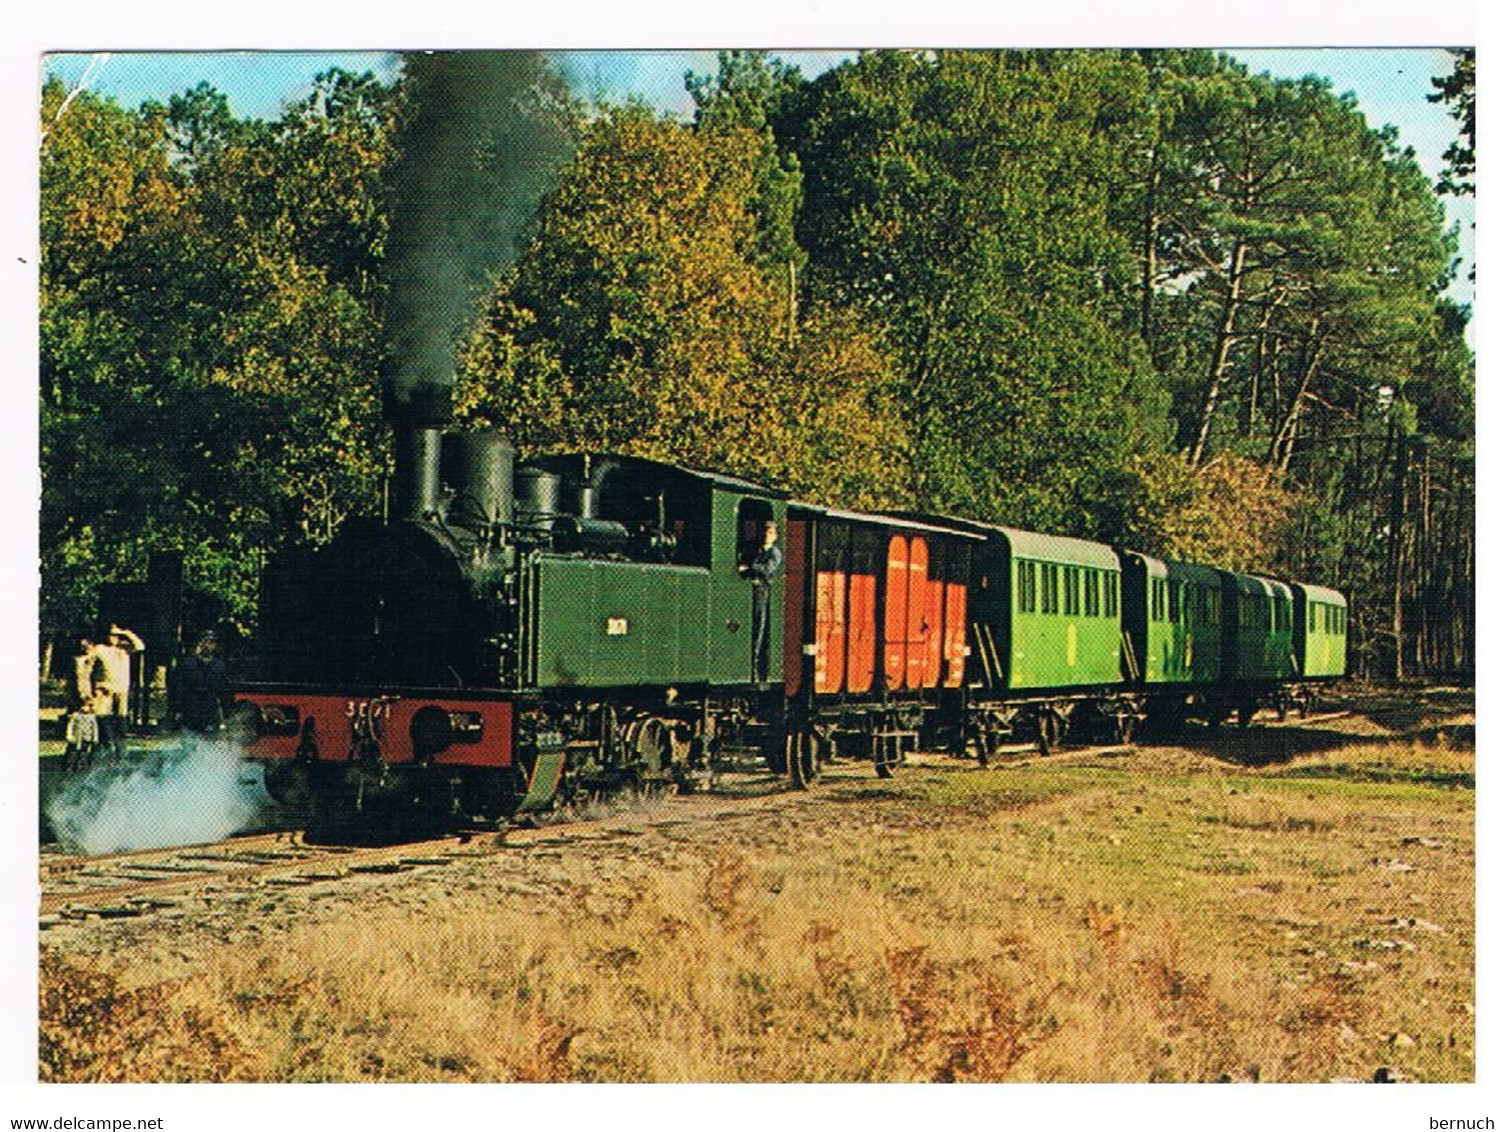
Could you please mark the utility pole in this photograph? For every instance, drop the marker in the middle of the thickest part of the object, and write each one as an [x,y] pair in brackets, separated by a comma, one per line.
[1398,550]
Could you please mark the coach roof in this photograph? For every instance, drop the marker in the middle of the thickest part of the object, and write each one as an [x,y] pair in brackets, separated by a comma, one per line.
[1044,548]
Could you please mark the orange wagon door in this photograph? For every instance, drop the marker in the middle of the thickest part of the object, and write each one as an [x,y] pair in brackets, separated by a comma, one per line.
[918,627]
[935,624]
[830,630]
[862,631]
[895,612]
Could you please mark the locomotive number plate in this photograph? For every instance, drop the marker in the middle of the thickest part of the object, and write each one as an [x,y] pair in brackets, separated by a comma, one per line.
[369,709]
[616,626]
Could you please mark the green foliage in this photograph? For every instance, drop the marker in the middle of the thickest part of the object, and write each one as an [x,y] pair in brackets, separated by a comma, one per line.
[749,91]
[1232,512]
[641,320]
[1457,91]
[207,333]
[959,201]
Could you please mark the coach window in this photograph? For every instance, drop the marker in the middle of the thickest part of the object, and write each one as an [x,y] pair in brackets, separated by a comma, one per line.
[1175,594]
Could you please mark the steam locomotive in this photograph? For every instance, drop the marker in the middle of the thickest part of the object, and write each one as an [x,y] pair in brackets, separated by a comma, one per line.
[515,633]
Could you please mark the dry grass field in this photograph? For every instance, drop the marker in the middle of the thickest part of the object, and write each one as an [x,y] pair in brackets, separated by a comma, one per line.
[1282,904]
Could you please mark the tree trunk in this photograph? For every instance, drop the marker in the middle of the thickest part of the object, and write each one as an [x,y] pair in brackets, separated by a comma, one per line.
[1217,371]
[1150,235]
[1284,441]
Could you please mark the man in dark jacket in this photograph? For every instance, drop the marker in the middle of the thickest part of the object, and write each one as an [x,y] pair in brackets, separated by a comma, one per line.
[762,570]
[199,693]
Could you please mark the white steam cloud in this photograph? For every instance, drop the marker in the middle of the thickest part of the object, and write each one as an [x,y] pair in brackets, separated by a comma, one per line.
[203,791]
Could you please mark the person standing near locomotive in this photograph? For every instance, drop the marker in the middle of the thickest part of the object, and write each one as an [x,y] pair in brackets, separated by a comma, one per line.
[81,679]
[198,692]
[763,568]
[115,661]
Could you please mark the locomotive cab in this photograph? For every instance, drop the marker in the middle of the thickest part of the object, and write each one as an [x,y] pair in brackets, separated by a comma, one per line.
[512,629]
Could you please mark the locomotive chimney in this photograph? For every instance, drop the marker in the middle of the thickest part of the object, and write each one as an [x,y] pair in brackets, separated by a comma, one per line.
[477,468]
[418,409]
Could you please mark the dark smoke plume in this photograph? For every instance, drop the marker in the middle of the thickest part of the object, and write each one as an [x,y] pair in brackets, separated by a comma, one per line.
[485,133]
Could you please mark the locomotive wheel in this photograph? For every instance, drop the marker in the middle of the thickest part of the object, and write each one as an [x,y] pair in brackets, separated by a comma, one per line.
[801,759]
[654,748]
[1123,729]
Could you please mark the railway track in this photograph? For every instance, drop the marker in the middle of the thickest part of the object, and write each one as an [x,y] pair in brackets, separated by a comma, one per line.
[140,883]
[133,884]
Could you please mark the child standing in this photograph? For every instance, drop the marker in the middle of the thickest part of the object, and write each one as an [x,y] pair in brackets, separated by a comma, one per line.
[81,733]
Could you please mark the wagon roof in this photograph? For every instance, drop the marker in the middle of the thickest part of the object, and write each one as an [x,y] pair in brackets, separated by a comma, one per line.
[1320,593]
[1253,584]
[887,519]
[1031,544]
[1059,548]
[1185,571]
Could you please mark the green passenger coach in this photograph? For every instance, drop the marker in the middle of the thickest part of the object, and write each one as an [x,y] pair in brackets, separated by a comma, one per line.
[1047,612]
[1258,630]
[1172,621]
[1321,631]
